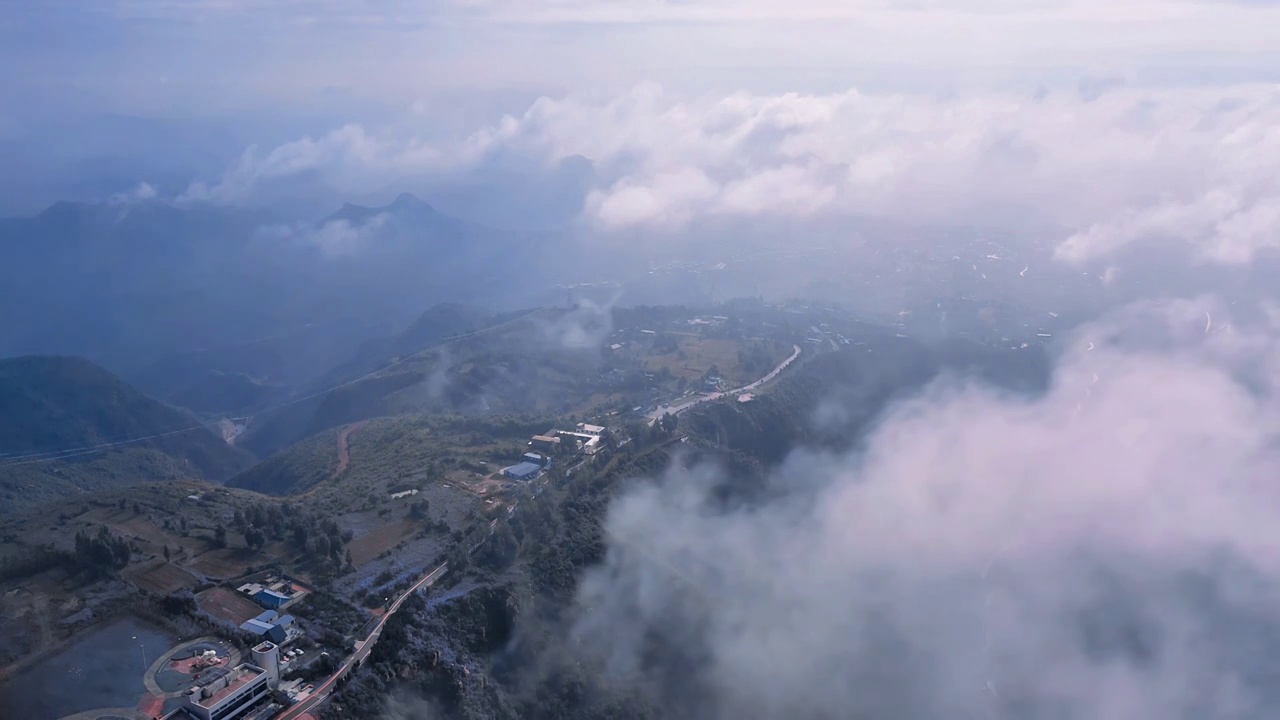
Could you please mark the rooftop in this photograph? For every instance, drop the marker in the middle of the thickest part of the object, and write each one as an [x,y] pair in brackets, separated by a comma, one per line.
[522,470]
[256,626]
[234,680]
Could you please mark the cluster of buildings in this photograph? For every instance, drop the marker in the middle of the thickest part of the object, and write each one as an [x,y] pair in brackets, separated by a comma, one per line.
[233,693]
[274,593]
[271,625]
[245,692]
[530,466]
[583,438]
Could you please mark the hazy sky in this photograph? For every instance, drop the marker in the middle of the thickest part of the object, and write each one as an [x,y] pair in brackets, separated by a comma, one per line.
[175,58]
[1115,121]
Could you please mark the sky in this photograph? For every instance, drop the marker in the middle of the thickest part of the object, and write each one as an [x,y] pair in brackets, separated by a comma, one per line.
[227,56]
[687,109]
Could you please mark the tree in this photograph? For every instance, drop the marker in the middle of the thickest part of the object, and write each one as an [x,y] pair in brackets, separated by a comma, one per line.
[323,546]
[254,538]
[102,553]
[137,509]
[238,518]
[500,549]
[349,561]
[669,423]
[166,553]
[220,535]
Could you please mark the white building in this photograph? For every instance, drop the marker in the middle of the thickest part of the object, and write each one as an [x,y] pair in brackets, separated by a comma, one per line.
[266,655]
[586,429]
[229,694]
[590,443]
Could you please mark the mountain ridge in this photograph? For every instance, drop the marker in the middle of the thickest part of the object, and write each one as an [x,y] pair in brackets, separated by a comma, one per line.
[61,409]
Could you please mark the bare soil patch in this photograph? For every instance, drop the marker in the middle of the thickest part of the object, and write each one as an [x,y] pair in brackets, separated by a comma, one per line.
[487,486]
[379,540]
[228,605]
[160,577]
[225,563]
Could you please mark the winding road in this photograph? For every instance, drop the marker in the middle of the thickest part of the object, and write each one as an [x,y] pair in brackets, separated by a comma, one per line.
[677,409]
[362,649]
[344,448]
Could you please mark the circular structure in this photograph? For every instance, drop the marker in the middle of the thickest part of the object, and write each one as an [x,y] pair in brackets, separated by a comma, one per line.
[172,673]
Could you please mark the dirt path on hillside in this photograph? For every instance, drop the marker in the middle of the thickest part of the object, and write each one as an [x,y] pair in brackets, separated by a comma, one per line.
[344,451]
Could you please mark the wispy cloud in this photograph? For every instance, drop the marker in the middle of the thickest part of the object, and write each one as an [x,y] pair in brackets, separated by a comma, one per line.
[333,238]
[1103,551]
[1192,167]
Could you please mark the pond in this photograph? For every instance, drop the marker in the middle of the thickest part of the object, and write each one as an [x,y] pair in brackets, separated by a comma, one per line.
[102,668]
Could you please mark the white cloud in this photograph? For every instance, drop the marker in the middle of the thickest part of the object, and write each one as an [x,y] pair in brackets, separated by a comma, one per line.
[1105,551]
[1192,166]
[140,193]
[333,238]
[350,159]
[584,327]
[1130,165]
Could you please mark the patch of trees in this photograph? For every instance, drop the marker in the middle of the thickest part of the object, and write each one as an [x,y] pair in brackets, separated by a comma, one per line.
[179,604]
[499,550]
[321,539]
[33,561]
[757,360]
[665,343]
[326,612]
[254,537]
[103,553]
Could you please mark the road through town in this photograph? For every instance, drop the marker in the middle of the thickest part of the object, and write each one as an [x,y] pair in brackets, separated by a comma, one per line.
[677,409]
[322,691]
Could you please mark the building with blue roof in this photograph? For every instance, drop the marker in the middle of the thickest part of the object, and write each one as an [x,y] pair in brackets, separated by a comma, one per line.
[270,625]
[271,598]
[523,471]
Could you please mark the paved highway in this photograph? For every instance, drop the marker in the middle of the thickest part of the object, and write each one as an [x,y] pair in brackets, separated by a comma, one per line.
[322,691]
[677,409]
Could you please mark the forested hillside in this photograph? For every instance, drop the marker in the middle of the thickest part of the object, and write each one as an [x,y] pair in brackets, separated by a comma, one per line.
[55,407]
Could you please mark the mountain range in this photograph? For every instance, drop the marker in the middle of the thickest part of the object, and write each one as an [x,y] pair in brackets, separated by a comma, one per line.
[169,295]
[56,407]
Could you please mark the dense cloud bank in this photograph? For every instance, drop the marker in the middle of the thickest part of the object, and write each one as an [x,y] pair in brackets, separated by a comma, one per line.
[1103,169]
[1105,551]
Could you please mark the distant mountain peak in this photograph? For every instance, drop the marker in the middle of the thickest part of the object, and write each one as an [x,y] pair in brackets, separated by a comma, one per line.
[405,204]
[409,201]
[63,208]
